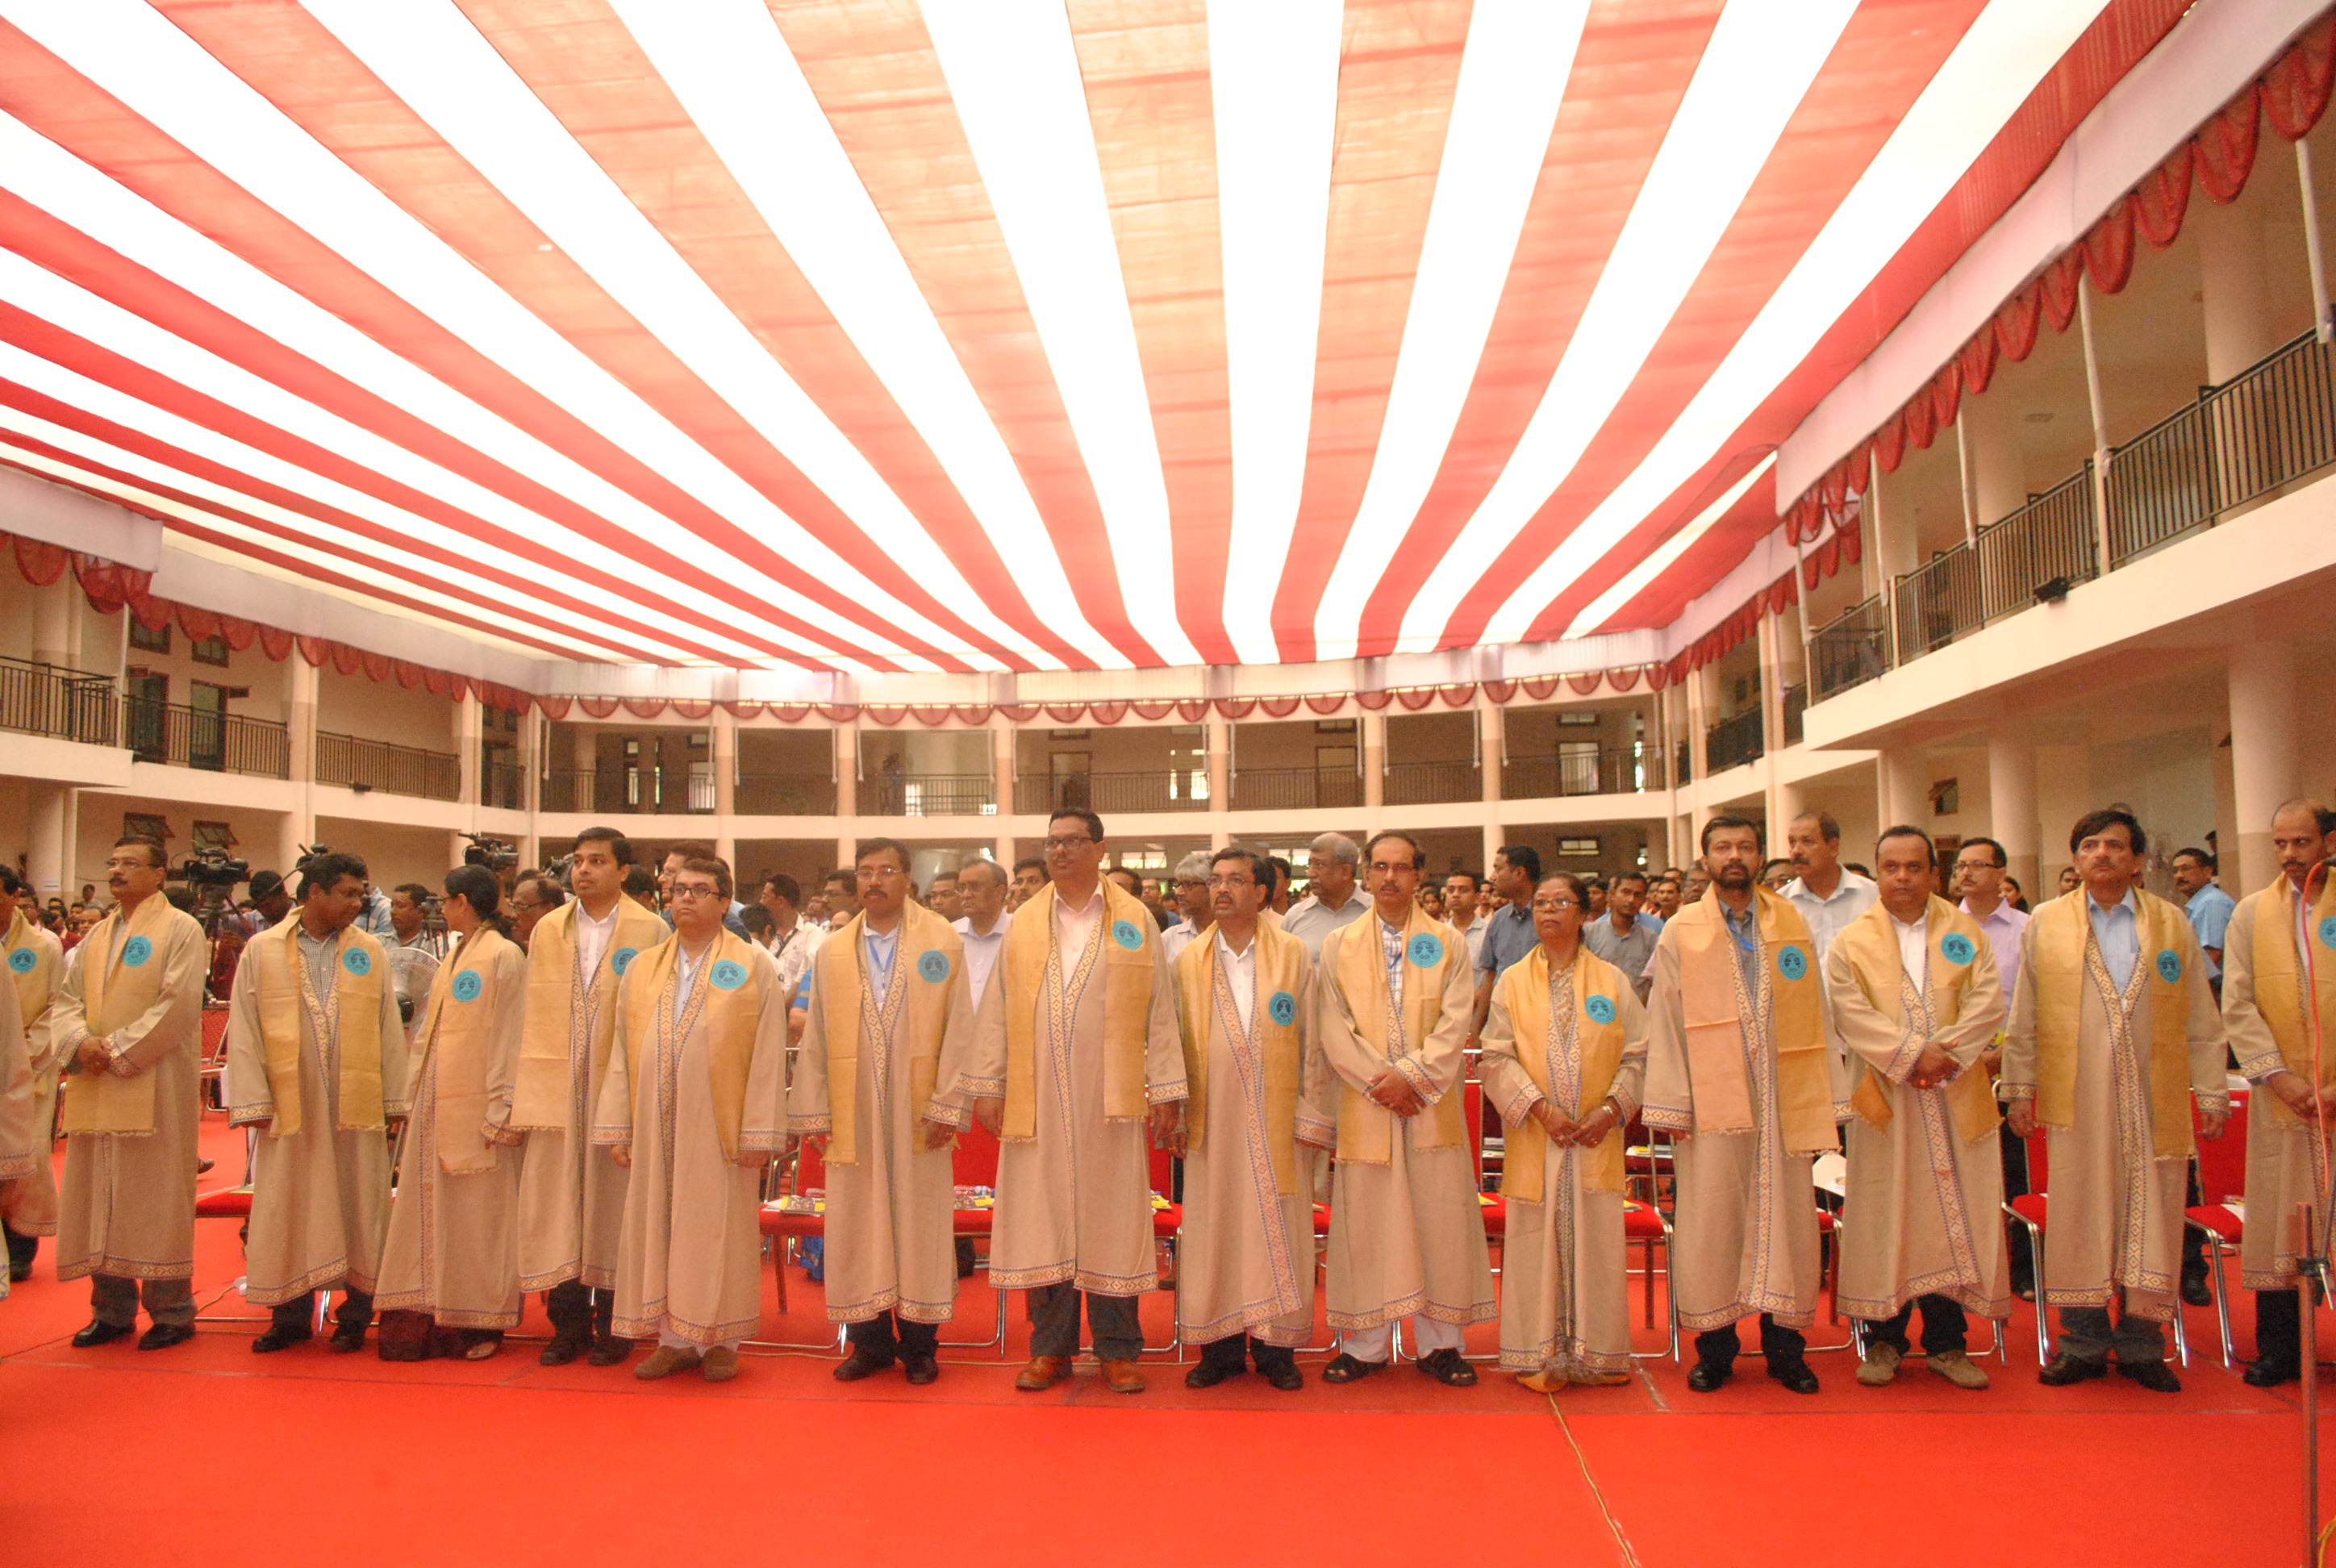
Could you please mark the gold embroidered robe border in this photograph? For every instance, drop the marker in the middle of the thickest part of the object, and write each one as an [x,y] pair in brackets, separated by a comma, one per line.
[2269,1022]
[891,1202]
[453,1248]
[1564,1260]
[572,1195]
[129,988]
[1923,1215]
[319,1192]
[692,1094]
[2059,934]
[1407,1229]
[1129,972]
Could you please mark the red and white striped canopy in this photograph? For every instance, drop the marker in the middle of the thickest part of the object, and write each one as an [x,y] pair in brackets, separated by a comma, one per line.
[981,335]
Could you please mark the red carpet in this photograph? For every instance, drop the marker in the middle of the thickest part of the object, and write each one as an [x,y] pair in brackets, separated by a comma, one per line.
[205,1452]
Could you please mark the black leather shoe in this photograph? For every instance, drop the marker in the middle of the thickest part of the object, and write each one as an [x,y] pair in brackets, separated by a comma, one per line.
[1284,1376]
[1794,1375]
[1346,1369]
[2155,1376]
[1705,1377]
[282,1337]
[609,1352]
[2064,1369]
[861,1364]
[1449,1368]
[102,1334]
[562,1350]
[919,1369]
[162,1336]
[348,1338]
[2266,1373]
[2194,1291]
[1209,1374]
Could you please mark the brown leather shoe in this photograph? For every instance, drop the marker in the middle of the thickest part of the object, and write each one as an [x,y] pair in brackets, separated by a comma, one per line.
[719,1365]
[664,1361]
[1121,1378]
[1042,1374]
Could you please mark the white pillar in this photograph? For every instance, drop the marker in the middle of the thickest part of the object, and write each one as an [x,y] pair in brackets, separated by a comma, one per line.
[2012,796]
[1218,732]
[1374,753]
[847,791]
[583,761]
[1492,721]
[1004,767]
[1999,474]
[1905,788]
[51,851]
[299,827]
[2064,791]
[2263,756]
[721,743]
[53,615]
[2234,295]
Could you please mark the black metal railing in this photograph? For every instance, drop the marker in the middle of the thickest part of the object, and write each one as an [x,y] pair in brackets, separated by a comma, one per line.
[1589,771]
[632,792]
[569,789]
[181,736]
[52,700]
[1296,789]
[1936,600]
[1732,741]
[2048,543]
[1850,648]
[780,795]
[1796,701]
[399,770]
[926,794]
[1417,784]
[1177,790]
[1683,762]
[503,784]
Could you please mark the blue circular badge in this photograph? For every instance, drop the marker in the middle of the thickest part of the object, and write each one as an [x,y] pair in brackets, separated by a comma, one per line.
[932,964]
[728,975]
[468,985]
[1957,948]
[2169,966]
[136,951]
[622,956]
[356,960]
[1600,1008]
[2327,936]
[1791,962]
[1426,949]
[24,960]
[1124,933]
[1283,1009]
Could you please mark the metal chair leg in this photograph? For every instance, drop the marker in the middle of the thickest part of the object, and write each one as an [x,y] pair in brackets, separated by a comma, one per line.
[2214,1244]
[2036,1274]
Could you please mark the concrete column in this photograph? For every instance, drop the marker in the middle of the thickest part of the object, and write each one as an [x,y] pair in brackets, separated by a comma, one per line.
[1869,530]
[1905,788]
[1374,736]
[53,617]
[583,760]
[2064,791]
[2263,756]
[1999,474]
[1699,709]
[469,728]
[299,827]
[1003,769]
[51,853]
[1492,839]
[721,743]
[1492,723]
[2012,796]
[847,791]
[2234,295]
[1219,739]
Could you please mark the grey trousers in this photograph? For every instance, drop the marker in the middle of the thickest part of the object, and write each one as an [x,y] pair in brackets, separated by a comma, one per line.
[2087,1334]
[1111,1319]
[113,1300]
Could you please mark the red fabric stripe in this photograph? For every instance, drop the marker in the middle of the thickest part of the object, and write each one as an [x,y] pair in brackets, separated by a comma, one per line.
[873,68]
[1398,67]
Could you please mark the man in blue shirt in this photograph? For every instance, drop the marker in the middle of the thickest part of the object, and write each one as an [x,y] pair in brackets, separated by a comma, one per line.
[2208,905]
[1509,935]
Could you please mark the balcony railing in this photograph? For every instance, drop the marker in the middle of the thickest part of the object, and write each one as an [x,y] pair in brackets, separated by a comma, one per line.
[503,783]
[2269,425]
[780,795]
[181,736]
[1732,741]
[1177,790]
[631,793]
[1590,771]
[1796,699]
[1415,783]
[399,770]
[1296,789]
[928,794]
[52,700]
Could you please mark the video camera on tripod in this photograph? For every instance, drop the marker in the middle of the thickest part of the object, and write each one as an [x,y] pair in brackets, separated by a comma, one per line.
[213,873]
[499,855]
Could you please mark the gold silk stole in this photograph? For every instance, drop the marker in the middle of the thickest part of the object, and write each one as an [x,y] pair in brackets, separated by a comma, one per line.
[272,961]
[2279,982]
[36,973]
[457,1029]
[1366,1128]
[1951,939]
[1274,1030]
[1525,991]
[1130,947]
[2064,932]
[926,957]
[114,994]
[1717,1074]
[545,1092]
[733,1013]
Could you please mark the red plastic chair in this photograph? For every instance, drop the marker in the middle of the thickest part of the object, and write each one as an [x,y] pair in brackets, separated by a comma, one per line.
[2032,1209]
[2222,1177]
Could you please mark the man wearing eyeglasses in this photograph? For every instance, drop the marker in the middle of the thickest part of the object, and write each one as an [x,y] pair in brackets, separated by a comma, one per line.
[1082,1059]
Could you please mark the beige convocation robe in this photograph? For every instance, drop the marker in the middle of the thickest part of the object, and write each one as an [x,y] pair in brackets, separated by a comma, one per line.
[2279,1146]
[1923,1213]
[1245,1250]
[1564,1259]
[1073,1202]
[29,1202]
[2115,1210]
[1407,1236]
[320,1195]
[21,1146]
[128,1209]
[453,1250]
[1745,1235]
[690,1254]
